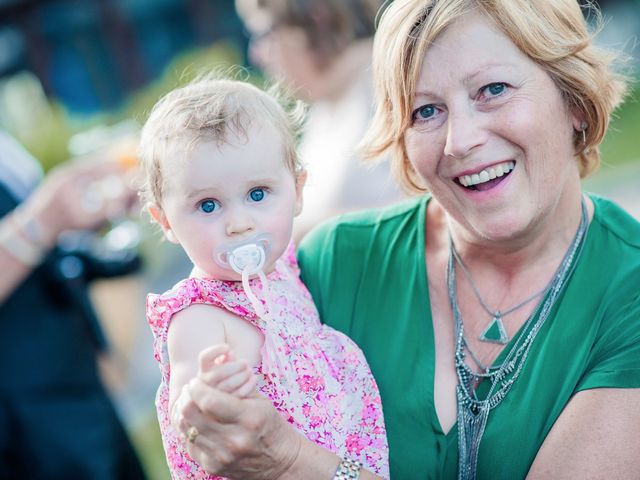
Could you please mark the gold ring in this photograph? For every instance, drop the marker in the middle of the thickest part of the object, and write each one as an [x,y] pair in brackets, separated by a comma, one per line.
[192,434]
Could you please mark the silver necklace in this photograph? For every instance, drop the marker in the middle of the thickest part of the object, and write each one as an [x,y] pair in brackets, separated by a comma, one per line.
[472,411]
[494,332]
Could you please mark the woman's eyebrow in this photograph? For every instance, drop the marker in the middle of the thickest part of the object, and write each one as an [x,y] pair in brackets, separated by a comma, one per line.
[483,68]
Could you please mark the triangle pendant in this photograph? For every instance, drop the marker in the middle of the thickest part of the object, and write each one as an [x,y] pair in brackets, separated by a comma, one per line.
[495,332]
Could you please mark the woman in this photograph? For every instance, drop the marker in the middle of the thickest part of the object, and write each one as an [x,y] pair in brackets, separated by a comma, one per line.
[322,51]
[500,313]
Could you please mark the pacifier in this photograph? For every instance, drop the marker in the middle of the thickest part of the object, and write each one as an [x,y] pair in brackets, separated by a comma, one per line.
[248,255]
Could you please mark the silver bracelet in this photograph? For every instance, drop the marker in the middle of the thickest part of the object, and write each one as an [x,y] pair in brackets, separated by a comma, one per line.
[348,470]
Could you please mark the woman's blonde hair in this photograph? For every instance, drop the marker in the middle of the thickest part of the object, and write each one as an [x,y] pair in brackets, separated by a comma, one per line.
[553,33]
[212,108]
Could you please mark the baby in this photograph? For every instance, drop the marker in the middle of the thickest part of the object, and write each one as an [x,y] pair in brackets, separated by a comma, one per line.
[223,180]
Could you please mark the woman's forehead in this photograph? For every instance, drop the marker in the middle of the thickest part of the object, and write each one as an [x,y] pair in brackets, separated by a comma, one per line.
[471,45]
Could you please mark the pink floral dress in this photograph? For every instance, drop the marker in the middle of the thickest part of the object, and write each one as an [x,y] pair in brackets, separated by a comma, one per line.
[316,377]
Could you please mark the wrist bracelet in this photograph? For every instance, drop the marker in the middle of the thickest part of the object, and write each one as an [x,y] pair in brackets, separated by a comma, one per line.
[31,228]
[348,470]
[19,248]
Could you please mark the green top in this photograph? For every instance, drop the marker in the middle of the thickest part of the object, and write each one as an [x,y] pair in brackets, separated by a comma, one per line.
[367,274]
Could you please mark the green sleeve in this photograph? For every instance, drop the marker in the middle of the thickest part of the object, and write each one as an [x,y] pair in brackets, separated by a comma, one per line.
[331,261]
[615,359]
[314,265]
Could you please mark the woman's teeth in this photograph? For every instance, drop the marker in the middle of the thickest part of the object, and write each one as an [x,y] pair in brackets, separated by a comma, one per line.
[487,174]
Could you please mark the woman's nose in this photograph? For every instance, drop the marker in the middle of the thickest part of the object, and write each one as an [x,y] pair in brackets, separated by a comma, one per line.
[464,132]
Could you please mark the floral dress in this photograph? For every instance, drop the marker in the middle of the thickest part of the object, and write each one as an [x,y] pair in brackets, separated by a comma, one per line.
[316,377]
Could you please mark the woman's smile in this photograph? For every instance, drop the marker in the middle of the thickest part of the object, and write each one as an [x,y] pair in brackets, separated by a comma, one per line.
[486,178]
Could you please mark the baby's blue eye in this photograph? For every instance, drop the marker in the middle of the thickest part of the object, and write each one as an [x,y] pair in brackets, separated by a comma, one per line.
[495,88]
[207,206]
[425,112]
[257,194]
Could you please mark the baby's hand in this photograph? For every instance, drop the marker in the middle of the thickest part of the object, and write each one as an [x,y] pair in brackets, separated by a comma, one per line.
[218,368]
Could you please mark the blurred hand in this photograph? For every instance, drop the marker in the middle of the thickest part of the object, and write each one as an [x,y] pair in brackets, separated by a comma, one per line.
[80,195]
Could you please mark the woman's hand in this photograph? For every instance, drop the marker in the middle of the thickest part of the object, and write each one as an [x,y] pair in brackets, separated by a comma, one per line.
[236,437]
[238,433]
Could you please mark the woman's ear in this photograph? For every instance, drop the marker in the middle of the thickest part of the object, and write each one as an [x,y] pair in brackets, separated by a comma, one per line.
[578,120]
[161,219]
[301,179]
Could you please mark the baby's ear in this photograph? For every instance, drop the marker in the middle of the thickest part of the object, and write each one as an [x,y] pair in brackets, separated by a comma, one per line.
[301,179]
[161,219]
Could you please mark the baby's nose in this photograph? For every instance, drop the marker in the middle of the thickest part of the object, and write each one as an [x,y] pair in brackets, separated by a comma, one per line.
[238,224]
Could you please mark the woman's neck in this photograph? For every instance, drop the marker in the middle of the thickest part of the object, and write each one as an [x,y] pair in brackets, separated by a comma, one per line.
[537,248]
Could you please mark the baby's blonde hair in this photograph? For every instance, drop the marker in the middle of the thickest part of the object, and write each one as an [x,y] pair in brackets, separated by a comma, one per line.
[212,108]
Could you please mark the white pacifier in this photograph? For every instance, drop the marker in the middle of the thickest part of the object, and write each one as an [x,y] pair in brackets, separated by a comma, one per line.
[248,257]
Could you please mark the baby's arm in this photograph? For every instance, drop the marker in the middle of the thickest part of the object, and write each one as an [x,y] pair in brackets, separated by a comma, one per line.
[193,330]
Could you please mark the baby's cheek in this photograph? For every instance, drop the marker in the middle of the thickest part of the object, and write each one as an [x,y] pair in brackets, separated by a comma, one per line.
[281,233]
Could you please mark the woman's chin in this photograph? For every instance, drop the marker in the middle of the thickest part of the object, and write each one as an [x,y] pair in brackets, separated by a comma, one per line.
[501,230]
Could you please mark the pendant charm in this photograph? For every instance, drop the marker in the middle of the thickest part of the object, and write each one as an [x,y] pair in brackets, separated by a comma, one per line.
[495,332]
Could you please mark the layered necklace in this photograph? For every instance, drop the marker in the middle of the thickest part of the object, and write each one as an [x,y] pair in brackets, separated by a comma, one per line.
[472,411]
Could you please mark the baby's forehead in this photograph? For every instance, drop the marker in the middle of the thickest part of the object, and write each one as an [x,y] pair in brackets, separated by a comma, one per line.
[183,145]
[262,143]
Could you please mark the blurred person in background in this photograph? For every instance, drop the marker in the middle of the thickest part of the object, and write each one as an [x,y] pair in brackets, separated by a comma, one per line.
[56,419]
[322,52]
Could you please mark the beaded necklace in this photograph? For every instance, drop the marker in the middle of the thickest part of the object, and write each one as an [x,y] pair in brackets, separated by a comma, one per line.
[473,412]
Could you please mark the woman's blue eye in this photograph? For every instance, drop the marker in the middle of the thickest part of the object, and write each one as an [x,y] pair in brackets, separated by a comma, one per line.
[207,206]
[426,112]
[257,194]
[495,88]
